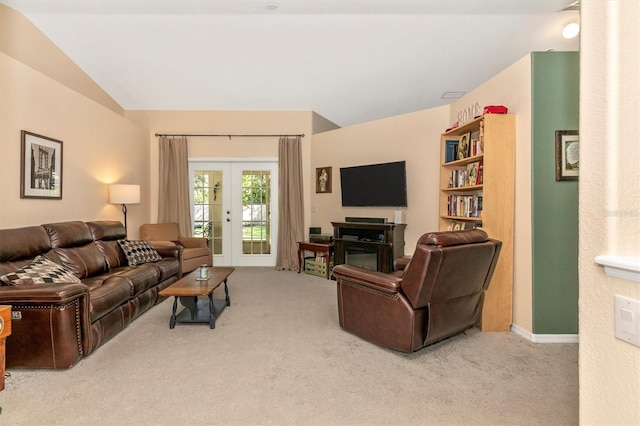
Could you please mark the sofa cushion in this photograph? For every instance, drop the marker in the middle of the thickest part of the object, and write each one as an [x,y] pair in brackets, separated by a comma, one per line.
[68,234]
[40,271]
[112,293]
[139,252]
[112,253]
[84,261]
[167,268]
[140,279]
[23,243]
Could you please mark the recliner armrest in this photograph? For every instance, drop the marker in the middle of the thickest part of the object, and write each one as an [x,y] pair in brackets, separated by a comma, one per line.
[381,281]
[194,242]
[401,263]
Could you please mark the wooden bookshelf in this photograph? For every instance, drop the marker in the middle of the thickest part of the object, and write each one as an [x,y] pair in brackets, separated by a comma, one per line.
[496,152]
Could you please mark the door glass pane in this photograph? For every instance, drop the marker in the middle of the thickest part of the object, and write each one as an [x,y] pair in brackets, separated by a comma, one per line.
[256,212]
[207,207]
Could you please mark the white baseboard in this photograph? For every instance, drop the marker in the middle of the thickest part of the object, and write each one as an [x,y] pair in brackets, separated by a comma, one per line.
[544,338]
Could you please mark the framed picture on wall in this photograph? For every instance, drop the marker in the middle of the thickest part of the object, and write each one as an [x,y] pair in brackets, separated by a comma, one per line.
[567,155]
[323,180]
[40,166]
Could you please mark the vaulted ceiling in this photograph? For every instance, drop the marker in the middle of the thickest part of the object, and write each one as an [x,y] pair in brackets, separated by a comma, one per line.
[351,61]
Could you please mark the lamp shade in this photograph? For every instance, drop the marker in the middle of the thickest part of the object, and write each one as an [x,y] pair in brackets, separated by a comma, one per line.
[124,194]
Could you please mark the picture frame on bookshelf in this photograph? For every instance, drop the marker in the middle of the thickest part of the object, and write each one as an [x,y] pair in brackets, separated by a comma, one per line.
[567,155]
[473,173]
[463,146]
[40,166]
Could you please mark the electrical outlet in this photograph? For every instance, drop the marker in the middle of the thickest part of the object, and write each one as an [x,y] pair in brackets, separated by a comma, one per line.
[627,320]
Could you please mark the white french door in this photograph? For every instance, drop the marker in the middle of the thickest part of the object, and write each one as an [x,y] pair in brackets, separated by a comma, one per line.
[235,205]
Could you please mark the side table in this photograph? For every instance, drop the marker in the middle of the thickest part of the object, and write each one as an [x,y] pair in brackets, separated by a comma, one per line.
[5,331]
[315,248]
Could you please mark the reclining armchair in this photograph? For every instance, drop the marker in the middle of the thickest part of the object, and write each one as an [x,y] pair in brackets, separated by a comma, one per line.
[439,292]
[195,250]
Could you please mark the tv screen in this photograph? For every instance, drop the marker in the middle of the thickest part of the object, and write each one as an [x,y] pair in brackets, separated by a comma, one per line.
[374,185]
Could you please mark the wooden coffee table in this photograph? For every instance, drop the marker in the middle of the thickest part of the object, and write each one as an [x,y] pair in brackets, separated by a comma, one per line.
[191,292]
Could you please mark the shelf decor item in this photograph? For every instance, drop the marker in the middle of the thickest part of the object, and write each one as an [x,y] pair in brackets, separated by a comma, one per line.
[567,155]
[40,166]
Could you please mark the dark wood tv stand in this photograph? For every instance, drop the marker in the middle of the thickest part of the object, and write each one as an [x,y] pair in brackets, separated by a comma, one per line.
[371,245]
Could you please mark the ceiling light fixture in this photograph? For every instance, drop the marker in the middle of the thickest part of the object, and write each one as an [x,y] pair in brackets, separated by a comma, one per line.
[271,5]
[571,30]
[452,95]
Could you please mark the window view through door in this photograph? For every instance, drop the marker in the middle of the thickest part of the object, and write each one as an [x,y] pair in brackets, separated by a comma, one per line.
[256,211]
[207,207]
[233,207]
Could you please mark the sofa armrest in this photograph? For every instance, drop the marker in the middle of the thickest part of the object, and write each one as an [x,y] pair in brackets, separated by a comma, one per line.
[51,328]
[42,293]
[376,280]
[194,242]
[168,250]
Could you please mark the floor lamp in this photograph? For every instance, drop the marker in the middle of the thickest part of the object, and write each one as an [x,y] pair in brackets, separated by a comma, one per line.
[124,194]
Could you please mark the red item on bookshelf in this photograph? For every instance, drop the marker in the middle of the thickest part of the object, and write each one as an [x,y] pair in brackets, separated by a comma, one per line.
[453,126]
[495,109]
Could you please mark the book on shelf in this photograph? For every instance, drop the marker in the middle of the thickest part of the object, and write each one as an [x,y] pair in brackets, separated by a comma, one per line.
[469,206]
[475,148]
[451,150]
[471,175]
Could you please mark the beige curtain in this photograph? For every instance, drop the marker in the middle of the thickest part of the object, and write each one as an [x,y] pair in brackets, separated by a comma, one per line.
[173,199]
[290,204]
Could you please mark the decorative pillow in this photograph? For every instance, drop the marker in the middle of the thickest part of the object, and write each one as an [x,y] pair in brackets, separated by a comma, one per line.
[139,252]
[40,271]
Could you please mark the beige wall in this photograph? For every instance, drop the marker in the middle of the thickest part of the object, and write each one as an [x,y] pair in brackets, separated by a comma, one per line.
[609,205]
[225,122]
[21,40]
[412,137]
[99,147]
[512,88]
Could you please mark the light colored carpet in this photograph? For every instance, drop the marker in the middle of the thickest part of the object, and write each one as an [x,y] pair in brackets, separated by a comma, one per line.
[279,357]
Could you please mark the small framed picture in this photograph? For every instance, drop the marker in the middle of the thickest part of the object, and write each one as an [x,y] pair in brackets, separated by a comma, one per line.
[463,146]
[40,166]
[567,155]
[323,180]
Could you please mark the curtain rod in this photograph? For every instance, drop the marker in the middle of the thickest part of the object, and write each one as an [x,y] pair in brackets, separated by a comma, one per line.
[226,135]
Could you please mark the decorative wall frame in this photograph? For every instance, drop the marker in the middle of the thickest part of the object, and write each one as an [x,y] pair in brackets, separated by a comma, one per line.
[323,180]
[567,155]
[40,166]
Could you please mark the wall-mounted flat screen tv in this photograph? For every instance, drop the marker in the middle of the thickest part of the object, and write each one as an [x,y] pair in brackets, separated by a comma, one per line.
[374,185]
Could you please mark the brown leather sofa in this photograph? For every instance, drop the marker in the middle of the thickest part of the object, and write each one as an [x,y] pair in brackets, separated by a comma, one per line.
[437,294]
[56,325]
[195,251]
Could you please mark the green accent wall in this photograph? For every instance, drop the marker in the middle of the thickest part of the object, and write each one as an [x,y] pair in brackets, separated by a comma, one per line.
[555,106]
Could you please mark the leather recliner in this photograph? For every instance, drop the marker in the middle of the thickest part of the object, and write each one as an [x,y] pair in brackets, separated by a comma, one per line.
[439,292]
[195,250]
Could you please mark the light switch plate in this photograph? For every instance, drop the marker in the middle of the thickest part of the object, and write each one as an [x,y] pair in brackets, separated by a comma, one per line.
[627,320]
